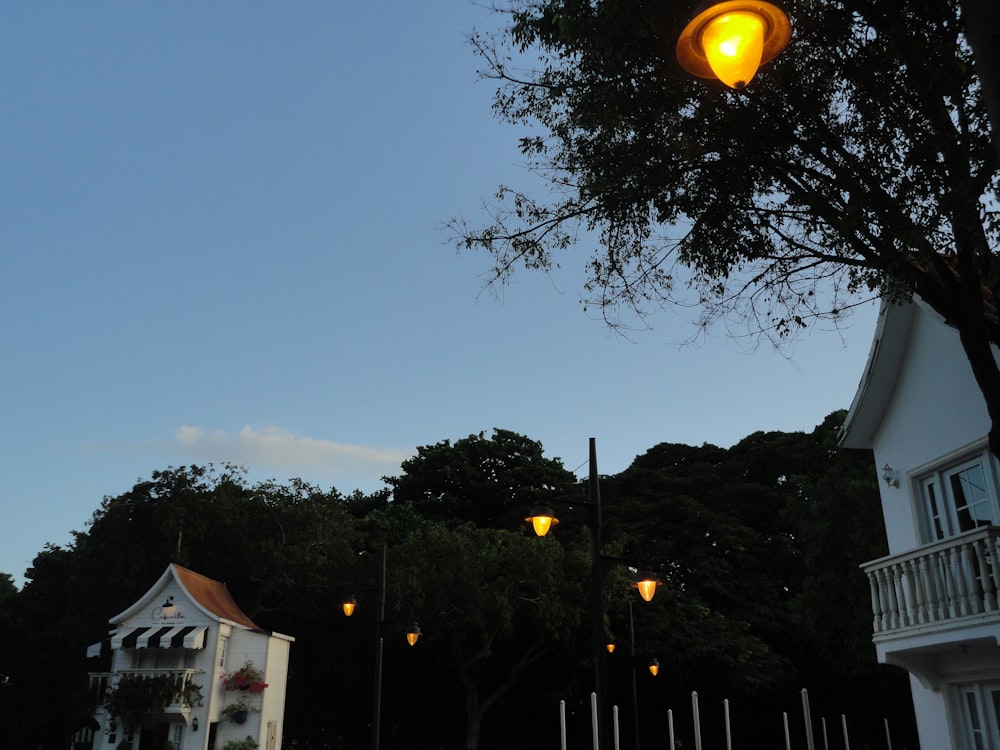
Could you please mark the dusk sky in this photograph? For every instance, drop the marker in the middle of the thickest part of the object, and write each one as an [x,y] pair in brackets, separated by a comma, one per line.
[222,243]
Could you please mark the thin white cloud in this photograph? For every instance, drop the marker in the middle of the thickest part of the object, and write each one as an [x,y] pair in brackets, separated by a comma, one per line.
[275,449]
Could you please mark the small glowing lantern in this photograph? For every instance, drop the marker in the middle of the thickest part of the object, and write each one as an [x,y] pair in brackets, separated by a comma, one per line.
[542,518]
[413,633]
[654,667]
[611,648]
[646,582]
[349,605]
[730,40]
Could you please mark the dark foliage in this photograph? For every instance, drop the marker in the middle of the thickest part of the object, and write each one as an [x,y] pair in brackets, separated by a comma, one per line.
[758,546]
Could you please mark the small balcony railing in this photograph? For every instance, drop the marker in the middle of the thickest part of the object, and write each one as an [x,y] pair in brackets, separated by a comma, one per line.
[180,681]
[937,584]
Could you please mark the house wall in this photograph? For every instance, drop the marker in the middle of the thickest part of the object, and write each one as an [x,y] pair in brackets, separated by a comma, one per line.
[244,645]
[273,711]
[152,615]
[932,722]
[936,408]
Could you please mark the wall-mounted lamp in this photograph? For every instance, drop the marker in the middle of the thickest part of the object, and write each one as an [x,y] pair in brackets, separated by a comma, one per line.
[889,475]
[194,724]
[654,667]
[168,603]
[729,40]
[413,633]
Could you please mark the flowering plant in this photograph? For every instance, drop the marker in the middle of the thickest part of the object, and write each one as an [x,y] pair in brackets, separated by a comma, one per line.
[247,677]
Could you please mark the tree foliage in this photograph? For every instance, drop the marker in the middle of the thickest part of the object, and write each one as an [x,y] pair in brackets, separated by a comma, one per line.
[758,547]
[857,163]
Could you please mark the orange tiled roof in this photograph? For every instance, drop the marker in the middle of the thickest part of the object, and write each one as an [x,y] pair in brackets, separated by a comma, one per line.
[213,596]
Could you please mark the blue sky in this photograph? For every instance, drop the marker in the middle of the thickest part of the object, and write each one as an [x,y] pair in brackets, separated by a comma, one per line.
[221,242]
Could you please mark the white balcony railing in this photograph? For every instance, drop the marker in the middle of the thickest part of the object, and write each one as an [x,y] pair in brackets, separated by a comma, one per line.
[937,584]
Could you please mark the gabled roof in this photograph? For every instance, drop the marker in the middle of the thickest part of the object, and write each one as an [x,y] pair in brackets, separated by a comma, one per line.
[210,596]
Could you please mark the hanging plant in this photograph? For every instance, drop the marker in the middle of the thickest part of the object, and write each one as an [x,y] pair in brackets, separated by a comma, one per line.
[137,696]
[237,711]
[247,677]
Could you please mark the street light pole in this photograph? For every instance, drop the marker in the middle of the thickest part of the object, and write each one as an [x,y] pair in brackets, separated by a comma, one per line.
[542,518]
[635,692]
[597,605]
[377,696]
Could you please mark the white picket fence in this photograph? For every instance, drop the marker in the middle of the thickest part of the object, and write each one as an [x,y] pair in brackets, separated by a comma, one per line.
[809,740]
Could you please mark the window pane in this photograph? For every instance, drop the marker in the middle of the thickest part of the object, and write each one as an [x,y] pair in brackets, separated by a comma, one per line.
[975,723]
[972,505]
[934,510]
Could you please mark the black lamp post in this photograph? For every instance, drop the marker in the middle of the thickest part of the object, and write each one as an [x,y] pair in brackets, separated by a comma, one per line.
[542,519]
[349,604]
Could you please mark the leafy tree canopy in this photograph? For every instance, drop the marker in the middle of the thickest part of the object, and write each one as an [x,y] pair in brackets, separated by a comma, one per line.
[857,163]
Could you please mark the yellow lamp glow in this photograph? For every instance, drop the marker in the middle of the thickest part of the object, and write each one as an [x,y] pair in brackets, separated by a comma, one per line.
[542,518]
[413,633]
[730,40]
[733,45]
[654,667]
[646,583]
[611,648]
[349,604]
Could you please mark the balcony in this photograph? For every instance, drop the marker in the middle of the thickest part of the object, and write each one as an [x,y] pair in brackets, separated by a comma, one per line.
[179,684]
[949,584]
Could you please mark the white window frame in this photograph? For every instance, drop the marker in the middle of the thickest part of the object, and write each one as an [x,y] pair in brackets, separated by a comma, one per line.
[223,648]
[939,514]
[978,714]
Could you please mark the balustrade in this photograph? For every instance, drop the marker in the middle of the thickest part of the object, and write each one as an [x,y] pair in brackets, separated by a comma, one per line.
[947,580]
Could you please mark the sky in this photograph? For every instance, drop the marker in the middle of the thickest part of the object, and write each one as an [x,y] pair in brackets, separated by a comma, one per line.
[221,242]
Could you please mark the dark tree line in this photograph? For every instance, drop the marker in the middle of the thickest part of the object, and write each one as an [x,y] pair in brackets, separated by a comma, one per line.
[758,547]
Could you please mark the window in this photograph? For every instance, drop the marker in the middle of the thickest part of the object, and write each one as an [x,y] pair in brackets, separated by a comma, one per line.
[979,710]
[958,497]
[223,647]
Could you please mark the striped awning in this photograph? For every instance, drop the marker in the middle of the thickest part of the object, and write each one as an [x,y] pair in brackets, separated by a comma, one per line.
[168,636]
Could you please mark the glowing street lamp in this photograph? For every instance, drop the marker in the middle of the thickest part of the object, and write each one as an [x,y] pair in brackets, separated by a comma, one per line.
[413,633]
[646,583]
[730,40]
[654,667]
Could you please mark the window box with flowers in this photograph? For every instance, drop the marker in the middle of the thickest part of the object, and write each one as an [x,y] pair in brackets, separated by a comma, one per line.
[246,678]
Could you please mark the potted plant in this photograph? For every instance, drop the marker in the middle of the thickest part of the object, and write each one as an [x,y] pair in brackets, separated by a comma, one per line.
[247,678]
[247,743]
[237,711]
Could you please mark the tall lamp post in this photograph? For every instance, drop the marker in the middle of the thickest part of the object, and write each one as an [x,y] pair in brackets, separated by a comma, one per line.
[542,518]
[349,604]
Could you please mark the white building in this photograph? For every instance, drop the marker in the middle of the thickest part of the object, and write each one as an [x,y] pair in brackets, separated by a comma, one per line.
[935,596]
[179,641]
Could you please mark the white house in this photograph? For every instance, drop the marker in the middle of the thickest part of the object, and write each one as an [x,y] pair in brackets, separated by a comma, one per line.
[935,596]
[171,653]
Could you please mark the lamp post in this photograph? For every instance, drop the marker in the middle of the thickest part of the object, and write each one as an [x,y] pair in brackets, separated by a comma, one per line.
[412,632]
[542,519]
